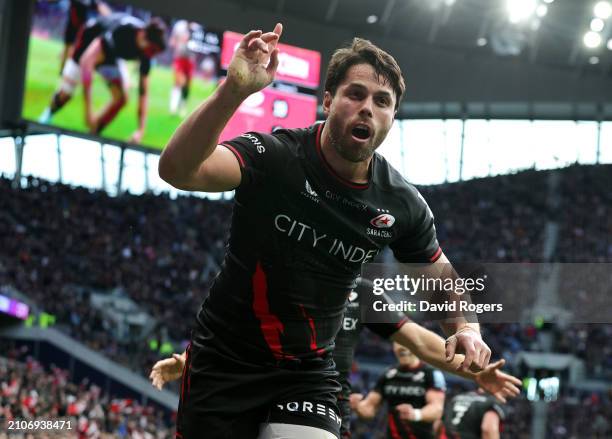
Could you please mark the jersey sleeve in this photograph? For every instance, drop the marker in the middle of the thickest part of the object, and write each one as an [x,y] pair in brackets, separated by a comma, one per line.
[418,243]
[392,320]
[435,380]
[257,155]
[497,408]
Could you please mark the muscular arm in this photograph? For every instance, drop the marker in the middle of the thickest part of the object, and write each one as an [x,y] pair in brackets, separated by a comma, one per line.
[368,407]
[192,160]
[92,56]
[490,425]
[143,97]
[432,411]
[463,336]
[429,347]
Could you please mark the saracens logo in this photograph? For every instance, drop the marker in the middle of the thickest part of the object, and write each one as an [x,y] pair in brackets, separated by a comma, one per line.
[383,221]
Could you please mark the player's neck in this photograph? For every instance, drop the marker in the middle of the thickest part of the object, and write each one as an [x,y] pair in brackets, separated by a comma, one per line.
[355,172]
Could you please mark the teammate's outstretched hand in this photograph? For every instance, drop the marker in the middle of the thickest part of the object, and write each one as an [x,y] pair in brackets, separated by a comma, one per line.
[254,63]
[167,370]
[498,383]
[469,342]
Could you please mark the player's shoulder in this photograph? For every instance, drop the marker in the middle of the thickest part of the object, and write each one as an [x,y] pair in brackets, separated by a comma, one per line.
[295,138]
[389,179]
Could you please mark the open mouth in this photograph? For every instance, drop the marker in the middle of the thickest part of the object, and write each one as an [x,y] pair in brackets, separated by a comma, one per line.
[361,132]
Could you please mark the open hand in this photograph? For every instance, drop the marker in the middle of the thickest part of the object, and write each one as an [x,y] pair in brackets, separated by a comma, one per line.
[167,370]
[255,61]
[498,383]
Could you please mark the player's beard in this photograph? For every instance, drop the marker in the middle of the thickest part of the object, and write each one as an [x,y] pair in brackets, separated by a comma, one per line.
[341,143]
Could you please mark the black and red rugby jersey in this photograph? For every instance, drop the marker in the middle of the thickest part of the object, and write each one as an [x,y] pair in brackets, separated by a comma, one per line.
[406,385]
[463,415]
[118,32]
[299,236]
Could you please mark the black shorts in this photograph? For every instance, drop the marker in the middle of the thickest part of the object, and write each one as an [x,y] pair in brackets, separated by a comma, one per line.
[229,398]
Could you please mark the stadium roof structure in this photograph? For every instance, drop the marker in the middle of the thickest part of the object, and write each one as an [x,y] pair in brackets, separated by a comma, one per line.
[461,58]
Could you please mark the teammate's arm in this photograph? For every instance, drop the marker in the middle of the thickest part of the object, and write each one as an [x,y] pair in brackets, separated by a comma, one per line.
[192,160]
[367,407]
[92,56]
[429,347]
[143,98]
[490,425]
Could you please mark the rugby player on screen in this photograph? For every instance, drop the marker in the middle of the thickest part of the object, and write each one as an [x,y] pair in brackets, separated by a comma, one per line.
[103,45]
[78,13]
[260,359]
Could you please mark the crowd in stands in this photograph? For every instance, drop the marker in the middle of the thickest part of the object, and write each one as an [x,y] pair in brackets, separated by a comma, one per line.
[29,392]
[164,253]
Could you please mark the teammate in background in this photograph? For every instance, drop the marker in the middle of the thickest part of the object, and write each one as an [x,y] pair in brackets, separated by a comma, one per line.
[414,393]
[183,64]
[426,344]
[103,45]
[472,415]
[260,358]
[78,13]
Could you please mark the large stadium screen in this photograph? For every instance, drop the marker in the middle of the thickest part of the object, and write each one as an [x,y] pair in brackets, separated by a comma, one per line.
[138,93]
[288,103]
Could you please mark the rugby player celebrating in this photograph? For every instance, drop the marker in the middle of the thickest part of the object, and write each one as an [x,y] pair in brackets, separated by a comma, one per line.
[260,356]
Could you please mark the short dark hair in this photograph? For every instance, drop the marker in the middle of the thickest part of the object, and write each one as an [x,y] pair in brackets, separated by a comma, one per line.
[155,32]
[364,52]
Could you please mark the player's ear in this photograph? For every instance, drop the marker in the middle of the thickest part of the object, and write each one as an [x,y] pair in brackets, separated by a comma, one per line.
[327,99]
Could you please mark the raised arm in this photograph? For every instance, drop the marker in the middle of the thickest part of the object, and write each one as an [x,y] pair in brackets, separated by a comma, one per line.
[92,56]
[192,160]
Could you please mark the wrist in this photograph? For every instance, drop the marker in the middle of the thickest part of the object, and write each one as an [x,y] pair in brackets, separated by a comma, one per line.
[231,91]
[467,328]
[417,415]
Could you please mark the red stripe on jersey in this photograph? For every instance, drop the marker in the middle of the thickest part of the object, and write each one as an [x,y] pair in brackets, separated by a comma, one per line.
[184,377]
[313,332]
[436,255]
[270,325]
[330,169]
[236,153]
[402,322]
[393,428]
